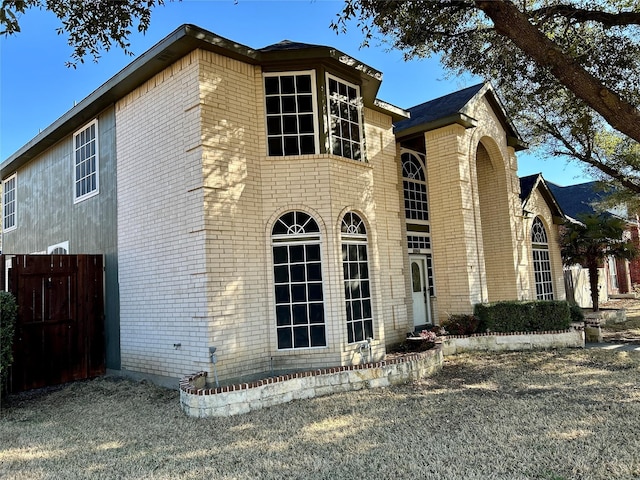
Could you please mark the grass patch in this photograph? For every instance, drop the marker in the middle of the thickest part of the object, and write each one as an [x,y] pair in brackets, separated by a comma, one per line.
[538,415]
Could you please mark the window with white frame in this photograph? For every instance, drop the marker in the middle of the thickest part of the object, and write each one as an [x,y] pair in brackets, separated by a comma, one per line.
[9,203]
[86,164]
[290,105]
[414,182]
[61,248]
[345,118]
[541,261]
[297,272]
[357,286]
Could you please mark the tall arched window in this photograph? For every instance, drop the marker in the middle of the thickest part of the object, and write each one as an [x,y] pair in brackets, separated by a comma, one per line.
[541,261]
[297,272]
[414,183]
[357,287]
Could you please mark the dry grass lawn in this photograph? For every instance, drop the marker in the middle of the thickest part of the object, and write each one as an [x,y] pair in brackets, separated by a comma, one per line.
[543,415]
[629,331]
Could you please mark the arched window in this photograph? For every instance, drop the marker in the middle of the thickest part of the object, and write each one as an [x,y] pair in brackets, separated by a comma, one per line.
[297,272]
[357,286]
[541,261]
[415,188]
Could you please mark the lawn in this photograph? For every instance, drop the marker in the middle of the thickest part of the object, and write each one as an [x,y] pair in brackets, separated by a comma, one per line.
[571,414]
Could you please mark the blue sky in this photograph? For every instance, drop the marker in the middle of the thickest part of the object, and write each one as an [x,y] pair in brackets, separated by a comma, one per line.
[36,87]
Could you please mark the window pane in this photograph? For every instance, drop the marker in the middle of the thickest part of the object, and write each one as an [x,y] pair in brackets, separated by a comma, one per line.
[290,125]
[291,146]
[275,147]
[296,253]
[284,338]
[316,313]
[305,103]
[314,272]
[303,83]
[300,337]
[313,252]
[271,85]
[282,294]
[318,338]
[298,293]
[315,292]
[273,105]
[280,254]
[281,274]
[300,315]
[307,145]
[289,104]
[306,123]
[297,273]
[273,126]
[287,84]
[283,315]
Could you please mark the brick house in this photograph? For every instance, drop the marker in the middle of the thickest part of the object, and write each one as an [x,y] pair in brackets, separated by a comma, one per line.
[265,202]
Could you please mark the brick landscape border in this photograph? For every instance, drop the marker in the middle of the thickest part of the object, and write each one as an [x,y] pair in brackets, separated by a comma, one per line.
[197,399]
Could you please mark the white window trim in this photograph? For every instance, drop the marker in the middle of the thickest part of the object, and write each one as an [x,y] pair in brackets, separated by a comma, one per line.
[311,238]
[314,100]
[15,201]
[95,192]
[363,156]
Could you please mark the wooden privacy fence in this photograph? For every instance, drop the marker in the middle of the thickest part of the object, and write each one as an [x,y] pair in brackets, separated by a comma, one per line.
[59,333]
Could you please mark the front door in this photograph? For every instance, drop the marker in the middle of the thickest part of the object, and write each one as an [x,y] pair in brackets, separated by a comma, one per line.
[420,291]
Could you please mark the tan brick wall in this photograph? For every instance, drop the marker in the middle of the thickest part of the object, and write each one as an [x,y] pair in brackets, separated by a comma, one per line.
[475,213]
[197,260]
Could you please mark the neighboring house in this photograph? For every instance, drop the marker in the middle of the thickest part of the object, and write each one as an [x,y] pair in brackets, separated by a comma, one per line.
[618,275]
[266,203]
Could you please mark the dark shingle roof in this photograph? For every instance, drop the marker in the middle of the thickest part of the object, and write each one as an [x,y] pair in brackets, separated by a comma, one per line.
[288,45]
[526,185]
[438,108]
[578,199]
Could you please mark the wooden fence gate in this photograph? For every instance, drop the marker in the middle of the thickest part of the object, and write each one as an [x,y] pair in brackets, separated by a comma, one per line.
[60,325]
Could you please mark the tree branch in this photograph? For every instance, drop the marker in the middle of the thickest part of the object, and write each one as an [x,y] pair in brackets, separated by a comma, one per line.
[582,15]
[514,25]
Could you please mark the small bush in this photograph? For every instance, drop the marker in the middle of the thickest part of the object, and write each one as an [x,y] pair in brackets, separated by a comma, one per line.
[577,315]
[461,324]
[527,316]
[8,311]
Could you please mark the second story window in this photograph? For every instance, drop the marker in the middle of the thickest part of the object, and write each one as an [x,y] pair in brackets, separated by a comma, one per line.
[85,148]
[345,118]
[9,203]
[290,104]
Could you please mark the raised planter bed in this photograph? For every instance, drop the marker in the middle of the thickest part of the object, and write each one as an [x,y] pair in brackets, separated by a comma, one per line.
[199,400]
[499,342]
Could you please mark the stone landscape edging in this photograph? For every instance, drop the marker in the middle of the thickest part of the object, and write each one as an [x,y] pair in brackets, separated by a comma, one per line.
[199,400]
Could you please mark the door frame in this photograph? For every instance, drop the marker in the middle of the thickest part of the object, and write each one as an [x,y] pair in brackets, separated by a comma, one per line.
[421,260]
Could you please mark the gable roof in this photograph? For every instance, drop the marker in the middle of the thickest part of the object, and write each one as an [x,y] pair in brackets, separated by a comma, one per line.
[170,49]
[531,183]
[456,108]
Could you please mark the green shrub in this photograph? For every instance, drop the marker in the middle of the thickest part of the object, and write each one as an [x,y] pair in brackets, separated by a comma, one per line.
[525,316]
[461,324]
[8,311]
[577,315]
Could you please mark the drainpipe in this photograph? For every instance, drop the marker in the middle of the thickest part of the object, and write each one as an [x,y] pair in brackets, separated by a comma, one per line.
[214,359]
